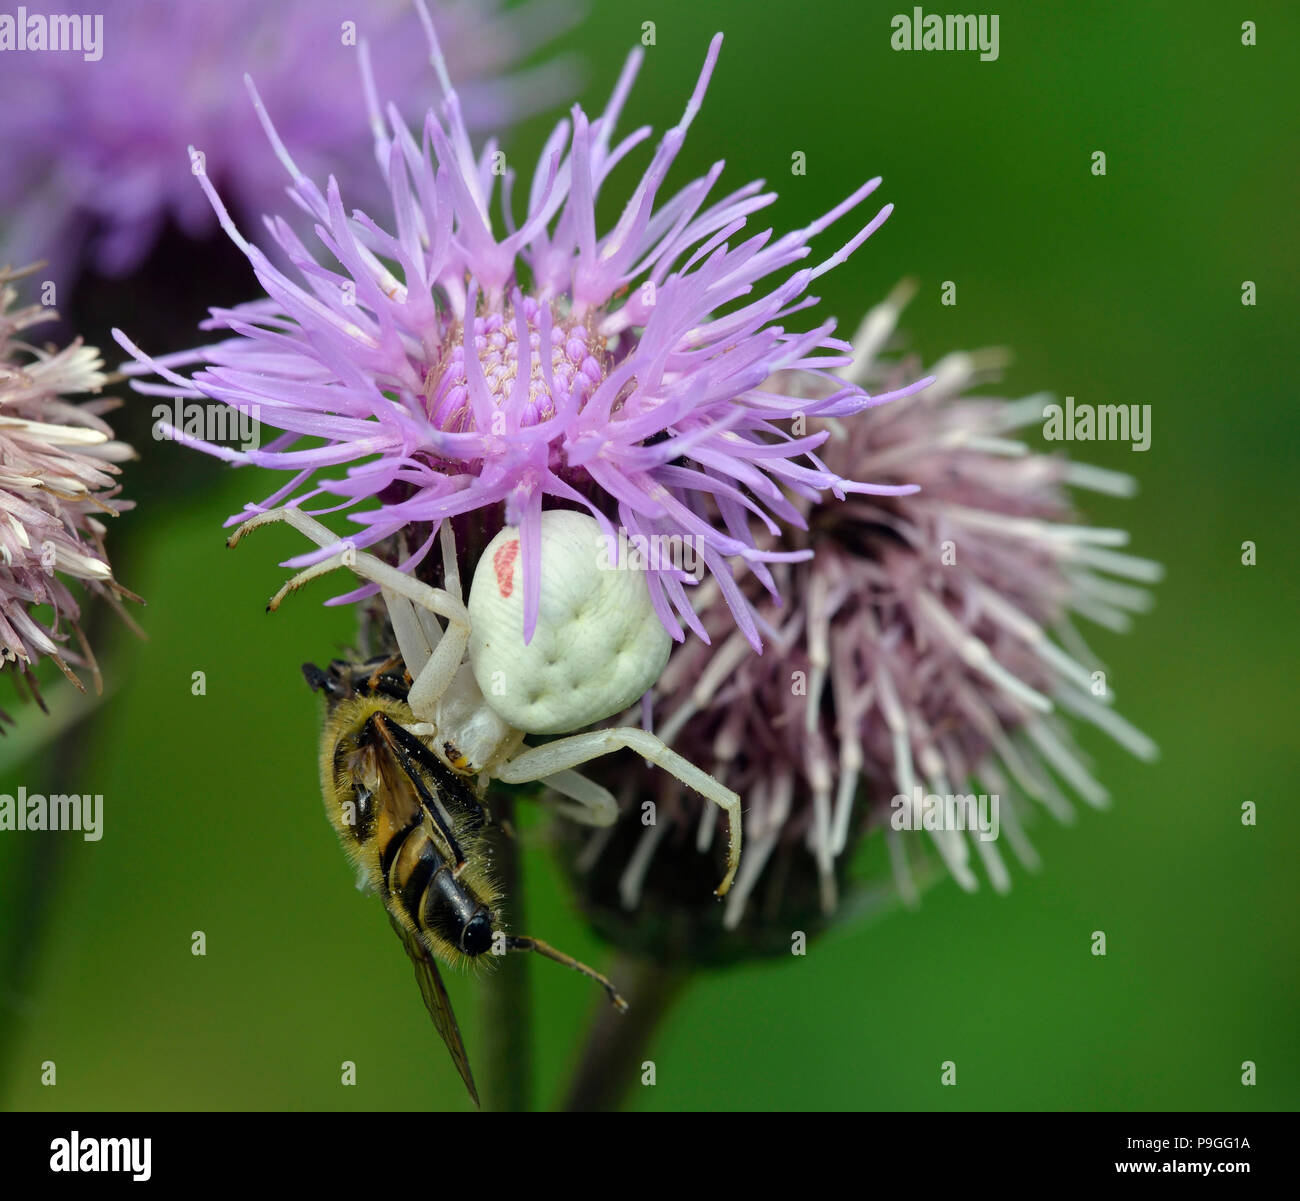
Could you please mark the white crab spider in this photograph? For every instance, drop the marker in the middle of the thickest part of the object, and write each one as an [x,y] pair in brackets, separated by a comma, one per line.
[598,645]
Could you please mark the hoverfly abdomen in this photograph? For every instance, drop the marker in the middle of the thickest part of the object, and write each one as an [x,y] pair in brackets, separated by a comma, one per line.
[415,877]
[454,913]
[400,859]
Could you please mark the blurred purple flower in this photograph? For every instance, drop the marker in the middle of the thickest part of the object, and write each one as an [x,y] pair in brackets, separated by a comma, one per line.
[57,479]
[918,652]
[95,151]
[621,373]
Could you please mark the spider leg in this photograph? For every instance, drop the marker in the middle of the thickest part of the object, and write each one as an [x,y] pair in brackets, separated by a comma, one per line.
[595,804]
[434,674]
[309,527]
[536,763]
[432,657]
[315,571]
[450,569]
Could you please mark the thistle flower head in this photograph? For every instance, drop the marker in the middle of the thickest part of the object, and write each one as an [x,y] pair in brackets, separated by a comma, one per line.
[921,657]
[168,75]
[507,365]
[57,480]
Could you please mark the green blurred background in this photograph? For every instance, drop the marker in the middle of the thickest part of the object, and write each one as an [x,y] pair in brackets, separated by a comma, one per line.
[1122,289]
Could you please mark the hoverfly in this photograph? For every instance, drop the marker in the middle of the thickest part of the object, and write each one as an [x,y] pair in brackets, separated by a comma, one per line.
[414,827]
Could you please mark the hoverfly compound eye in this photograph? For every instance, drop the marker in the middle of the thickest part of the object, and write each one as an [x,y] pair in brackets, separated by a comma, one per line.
[598,644]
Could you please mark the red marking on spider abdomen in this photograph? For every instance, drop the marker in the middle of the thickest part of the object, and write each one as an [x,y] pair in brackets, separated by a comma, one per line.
[504,564]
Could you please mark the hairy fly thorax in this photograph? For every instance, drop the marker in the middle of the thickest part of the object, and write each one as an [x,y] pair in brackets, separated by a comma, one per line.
[410,822]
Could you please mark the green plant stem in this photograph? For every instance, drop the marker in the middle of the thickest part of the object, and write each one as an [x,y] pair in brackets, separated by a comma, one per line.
[616,1042]
[507,995]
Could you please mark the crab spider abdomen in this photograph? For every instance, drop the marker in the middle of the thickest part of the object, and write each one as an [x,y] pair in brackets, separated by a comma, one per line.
[598,644]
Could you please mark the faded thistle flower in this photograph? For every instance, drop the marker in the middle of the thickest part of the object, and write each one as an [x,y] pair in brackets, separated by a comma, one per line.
[929,652]
[95,150]
[57,480]
[506,363]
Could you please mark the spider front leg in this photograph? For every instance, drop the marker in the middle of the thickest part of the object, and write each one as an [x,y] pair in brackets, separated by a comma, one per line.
[538,762]
[431,660]
[309,527]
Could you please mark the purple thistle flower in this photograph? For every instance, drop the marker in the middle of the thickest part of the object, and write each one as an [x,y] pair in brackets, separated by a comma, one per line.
[168,77]
[625,376]
[57,479]
[918,653]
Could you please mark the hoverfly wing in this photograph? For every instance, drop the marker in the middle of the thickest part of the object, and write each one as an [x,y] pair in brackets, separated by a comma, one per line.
[438,1003]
